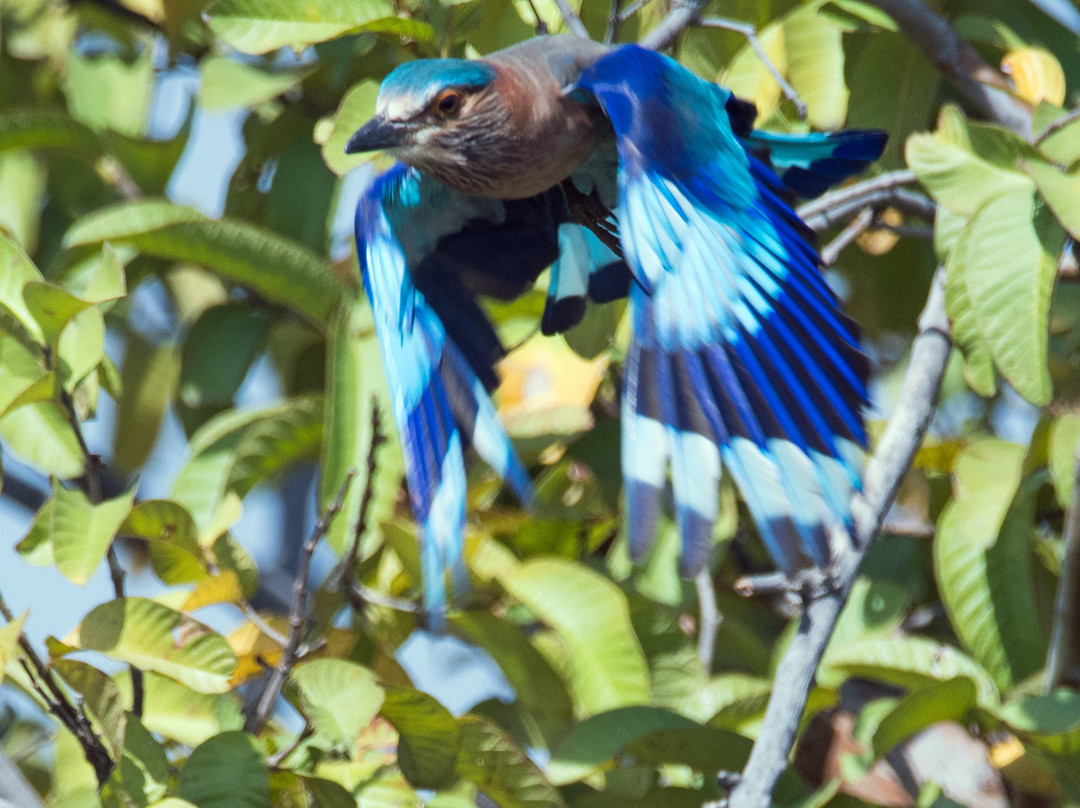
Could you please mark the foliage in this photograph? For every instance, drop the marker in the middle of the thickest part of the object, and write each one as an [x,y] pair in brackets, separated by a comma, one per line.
[615,702]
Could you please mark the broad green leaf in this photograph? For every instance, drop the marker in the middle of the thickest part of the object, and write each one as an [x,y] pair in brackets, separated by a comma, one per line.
[98,279]
[178,713]
[156,638]
[750,78]
[9,642]
[260,26]
[815,67]
[1011,265]
[218,352]
[277,268]
[1051,720]
[81,347]
[950,700]
[988,588]
[1064,444]
[80,532]
[498,767]
[143,771]
[16,270]
[355,109]
[356,383]
[1060,190]
[106,91]
[739,700]
[149,378]
[986,476]
[590,615]
[978,363]
[703,749]
[173,537]
[428,737]
[52,306]
[46,129]
[958,177]
[289,788]
[227,771]
[100,698]
[597,740]
[21,372]
[1062,145]
[911,662]
[539,688]
[41,435]
[227,83]
[340,697]
[24,173]
[291,434]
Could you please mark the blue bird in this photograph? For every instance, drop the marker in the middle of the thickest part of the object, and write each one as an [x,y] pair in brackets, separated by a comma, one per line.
[627,175]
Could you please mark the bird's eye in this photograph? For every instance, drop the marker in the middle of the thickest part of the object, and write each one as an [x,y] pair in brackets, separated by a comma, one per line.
[448,103]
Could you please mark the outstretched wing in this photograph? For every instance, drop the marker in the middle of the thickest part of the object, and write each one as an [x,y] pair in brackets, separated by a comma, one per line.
[415,244]
[740,357]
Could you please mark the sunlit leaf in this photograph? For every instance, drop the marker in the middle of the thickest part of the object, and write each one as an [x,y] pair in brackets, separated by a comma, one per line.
[143,770]
[978,363]
[429,737]
[260,26]
[227,83]
[174,545]
[180,714]
[590,615]
[950,700]
[1036,74]
[41,434]
[1064,444]
[1051,720]
[341,698]
[9,642]
[355,109]
[156,638]
[815,67]
[1060,190]
[499,768]
[80,532]
[101,699]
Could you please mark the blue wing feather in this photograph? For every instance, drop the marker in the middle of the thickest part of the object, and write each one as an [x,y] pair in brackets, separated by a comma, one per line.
[440,403]
[740,357]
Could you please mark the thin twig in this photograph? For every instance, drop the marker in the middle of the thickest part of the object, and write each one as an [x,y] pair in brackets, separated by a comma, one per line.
[262,625]
[855,228]
[58,703]
[614,21]
[709,618]
[377,440]
[572,20]
[751,34]
[359,596]
[682,15]
[879,192]
[884,473]
[1063,660]
[541,26]
[959,62]
[298,615]
[276,759]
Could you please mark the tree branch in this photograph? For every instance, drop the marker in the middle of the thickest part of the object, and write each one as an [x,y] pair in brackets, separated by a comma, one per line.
[960,63]
[709,618]
[298,616]
[572,20]
[1063,660]
[750,32]
[683,14]
[884,473]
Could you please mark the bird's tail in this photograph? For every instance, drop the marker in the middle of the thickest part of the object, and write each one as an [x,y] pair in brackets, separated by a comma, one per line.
[810,164]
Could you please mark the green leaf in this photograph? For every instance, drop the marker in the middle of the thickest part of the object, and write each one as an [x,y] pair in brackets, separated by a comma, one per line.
[355,109]
[42,129]
[498,767]
[590,615]
[597,740]
[173,537]
[1063,447]
[958,177]
[156,638]
[81,532]
[9,642]
[81,347]
[218,352]
[978,363]
[100,698]
[20,212]
[356,383]
[815,66]
[1060,190]
[227,84]
[41,435]
[289,788]
[178,713]
[703,749]
[16,270]
[429,738]
[149,377]
[1062,146]
[1052,720]
[276,268]
[143,772]
[260,26]
[1011,265]
[950,700]
[106,91]
[22,374]
[52,306]
[911,662]
[983,567]
[341,698]
[739,700]
[227,771]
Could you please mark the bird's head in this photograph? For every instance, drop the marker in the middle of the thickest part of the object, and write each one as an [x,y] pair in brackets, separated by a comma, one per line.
[427,111]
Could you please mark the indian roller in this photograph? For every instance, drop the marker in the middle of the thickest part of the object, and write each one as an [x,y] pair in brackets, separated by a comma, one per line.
[627,175]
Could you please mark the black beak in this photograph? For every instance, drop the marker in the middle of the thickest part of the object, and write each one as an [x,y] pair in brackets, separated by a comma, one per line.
[378,133]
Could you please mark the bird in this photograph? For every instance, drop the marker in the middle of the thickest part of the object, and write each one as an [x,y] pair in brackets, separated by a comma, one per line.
[628,176]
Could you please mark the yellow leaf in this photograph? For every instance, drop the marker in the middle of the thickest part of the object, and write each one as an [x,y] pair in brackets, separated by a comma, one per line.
[223,588]
[1036,74]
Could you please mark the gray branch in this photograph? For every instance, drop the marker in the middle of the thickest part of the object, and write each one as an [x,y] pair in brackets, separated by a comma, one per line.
[884,473]
[571,18]
[960,63]
[1063,662]
[683,14]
